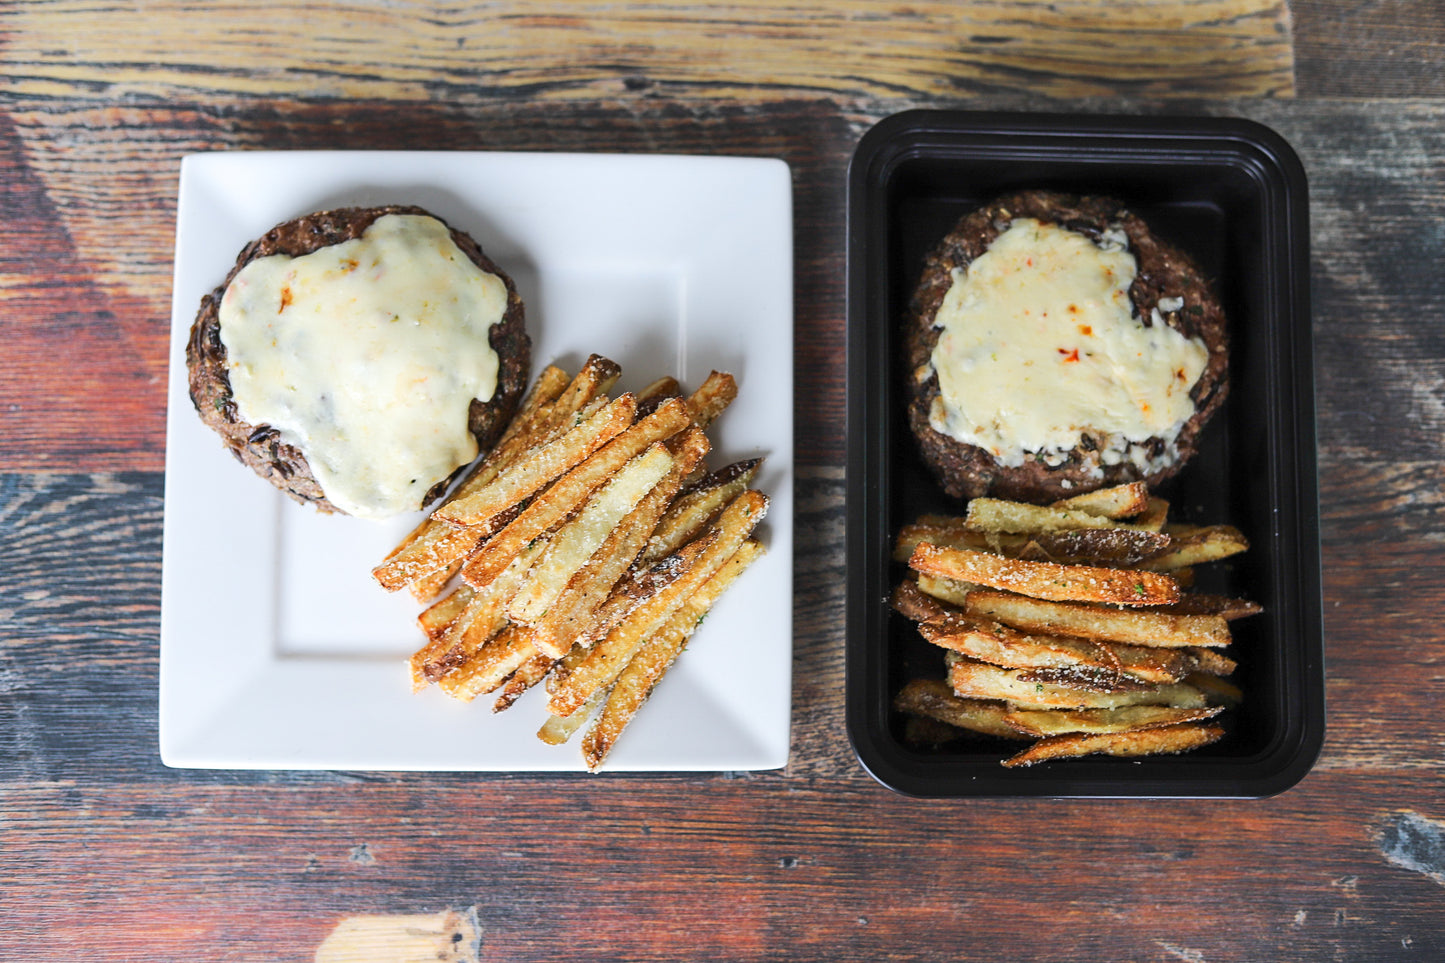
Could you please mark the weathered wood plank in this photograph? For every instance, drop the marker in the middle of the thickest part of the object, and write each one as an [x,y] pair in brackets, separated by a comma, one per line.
[744,51]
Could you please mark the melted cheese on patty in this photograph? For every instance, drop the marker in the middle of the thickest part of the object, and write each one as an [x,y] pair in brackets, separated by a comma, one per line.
[366,356]
[1040,347]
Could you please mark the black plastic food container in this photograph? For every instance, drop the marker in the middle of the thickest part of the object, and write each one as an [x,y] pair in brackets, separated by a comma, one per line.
[1230,192]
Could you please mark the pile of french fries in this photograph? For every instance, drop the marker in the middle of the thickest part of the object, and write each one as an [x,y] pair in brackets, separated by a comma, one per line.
[1069,625]
[590,543]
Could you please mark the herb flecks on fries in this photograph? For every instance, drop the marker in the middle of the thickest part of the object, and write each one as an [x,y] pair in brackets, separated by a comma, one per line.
[590,544]
[1070,625]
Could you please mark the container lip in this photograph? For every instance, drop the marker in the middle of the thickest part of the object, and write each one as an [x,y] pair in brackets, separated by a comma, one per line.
[981,136]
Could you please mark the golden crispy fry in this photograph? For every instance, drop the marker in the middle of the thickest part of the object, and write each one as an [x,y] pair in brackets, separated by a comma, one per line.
[1136,627]
[1199,603]
[435,618]
[946,589]
[698,506]
[998,515]
[1115,547]
[1208,544]
[712,397]
[640,585]
[645,670]
[1210,661]
[490,666]
[912,602]
[933,699]
[978,680]
[611,655]
[575,608]
[482,619]
[1119,501]
[568,493]
[540,466]
[1057,722]
[1154,517]
[558,729]
[430,586]
[656,393]
[998,644]
[528,674]
[1145,742]
[1045,580]
[573,544]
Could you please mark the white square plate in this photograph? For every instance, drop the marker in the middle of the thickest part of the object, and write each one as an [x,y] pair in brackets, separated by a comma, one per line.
[278,651]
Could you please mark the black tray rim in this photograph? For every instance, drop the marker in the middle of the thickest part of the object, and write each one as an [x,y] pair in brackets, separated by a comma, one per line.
[1047,135]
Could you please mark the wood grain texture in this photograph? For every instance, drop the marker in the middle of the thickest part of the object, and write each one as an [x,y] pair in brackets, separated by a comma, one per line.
[108,856]
[746,51]
[815,861]
[1387,48]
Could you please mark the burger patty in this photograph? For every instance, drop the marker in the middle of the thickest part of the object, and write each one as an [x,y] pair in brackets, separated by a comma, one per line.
[1163,274]
[259,446]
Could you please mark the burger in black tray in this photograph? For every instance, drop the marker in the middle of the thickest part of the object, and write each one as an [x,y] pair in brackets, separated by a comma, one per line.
[358,358]
[1082,537]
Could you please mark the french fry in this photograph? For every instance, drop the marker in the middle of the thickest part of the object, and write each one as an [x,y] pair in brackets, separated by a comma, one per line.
[1218,691]
[435,618]
[570,491]
[979,680]
[1154,517]
[999,515]
[558,729]
[646,669]
[1115,547]
[611,655]
[1057,722]
[1001,645]
[1118,501]
[574,542]
[542,465]
[490,666]
[712,397]
[656,393]
[575,607]
[1045,580]
[1143,742]
[1210,661]
[1208,544]
[1199,603]
[933,699]
[946,589]
[912,602]
[1133,626]
[527,674]
[640,585]
[696,507]
[483,617]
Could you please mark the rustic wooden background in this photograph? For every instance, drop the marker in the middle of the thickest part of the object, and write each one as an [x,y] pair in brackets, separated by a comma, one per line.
[105,855]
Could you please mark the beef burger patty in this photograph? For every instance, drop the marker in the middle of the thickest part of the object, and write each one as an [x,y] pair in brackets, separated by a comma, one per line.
[1055,345]
[381,372]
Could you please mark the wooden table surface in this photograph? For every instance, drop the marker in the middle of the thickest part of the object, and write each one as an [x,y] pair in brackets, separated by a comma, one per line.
[105,854]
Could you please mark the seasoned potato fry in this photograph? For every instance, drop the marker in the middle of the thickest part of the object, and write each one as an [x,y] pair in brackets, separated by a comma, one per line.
[528,674]
[609,656]
[645,670]
[946,589]
[1045,580]
[542,465]
[1057,722]
[697,506]
[1209,544]
[1119,501]
[912,602]
[558,729]
[568,493]
[1001,645]
[712,397]
[1133,626]
[933,699]
[1144,742]
[978,680]
[574,543]
[435,618]
[1199,603]
[490,666]
[998,515]
[574,610]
